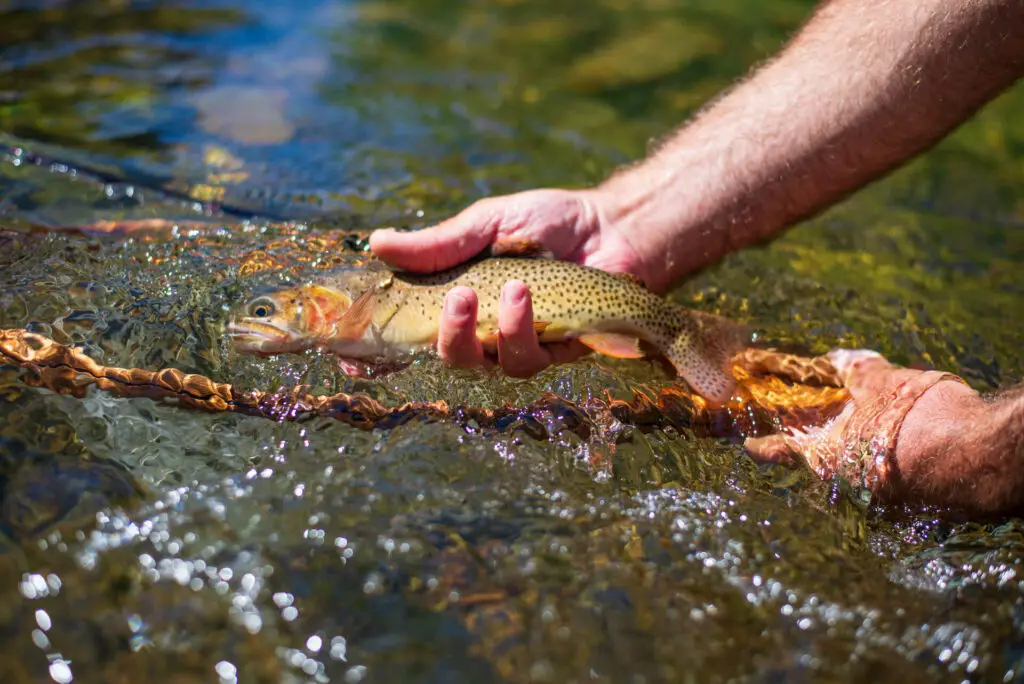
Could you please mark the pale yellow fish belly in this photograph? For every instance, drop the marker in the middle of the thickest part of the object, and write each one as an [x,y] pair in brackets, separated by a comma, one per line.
[411,309]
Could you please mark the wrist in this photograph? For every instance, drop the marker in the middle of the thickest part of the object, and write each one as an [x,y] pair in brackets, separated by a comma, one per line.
[701,197]
[957,449]
[661,220]
[940,424]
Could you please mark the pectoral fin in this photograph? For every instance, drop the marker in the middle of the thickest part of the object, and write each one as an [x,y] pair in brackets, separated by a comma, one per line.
[617,345]
[488,338]
[354,322]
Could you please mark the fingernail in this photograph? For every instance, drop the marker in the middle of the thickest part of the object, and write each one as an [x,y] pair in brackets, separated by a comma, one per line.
[456,305]
[514,293]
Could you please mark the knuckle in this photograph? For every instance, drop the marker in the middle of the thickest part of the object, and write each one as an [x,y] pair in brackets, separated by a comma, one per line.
[583,212]
[489,213]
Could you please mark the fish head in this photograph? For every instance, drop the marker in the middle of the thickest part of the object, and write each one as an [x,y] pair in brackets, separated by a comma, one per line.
[287,320]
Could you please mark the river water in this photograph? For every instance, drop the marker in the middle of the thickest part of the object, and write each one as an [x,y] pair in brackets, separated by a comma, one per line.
[142,541]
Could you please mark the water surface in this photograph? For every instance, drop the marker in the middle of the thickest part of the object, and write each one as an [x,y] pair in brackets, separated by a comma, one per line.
[264,551]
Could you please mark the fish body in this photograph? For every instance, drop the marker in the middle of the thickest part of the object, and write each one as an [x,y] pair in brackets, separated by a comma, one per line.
[381,316]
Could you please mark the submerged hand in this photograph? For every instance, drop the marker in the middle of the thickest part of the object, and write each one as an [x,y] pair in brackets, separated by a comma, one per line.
[912,437]
[567,223]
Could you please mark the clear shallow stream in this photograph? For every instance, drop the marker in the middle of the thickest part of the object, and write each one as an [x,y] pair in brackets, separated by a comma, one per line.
[263,551]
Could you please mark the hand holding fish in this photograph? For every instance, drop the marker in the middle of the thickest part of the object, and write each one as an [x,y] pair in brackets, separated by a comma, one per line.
[913,437]
[569,224]
[519,350]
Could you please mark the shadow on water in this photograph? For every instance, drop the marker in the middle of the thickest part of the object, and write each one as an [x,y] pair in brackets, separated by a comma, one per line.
[142,541]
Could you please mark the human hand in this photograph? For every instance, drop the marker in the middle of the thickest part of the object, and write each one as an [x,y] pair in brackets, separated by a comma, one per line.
[568,223]
[912,437]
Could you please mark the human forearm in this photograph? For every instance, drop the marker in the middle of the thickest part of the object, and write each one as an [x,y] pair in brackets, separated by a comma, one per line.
[913,438]
[863,87]
[963,451]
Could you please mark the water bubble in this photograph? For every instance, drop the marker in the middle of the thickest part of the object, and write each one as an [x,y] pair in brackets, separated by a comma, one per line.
[40,639]
[226,670]
[253,623]
[355,674]
[338,648]
[60,672]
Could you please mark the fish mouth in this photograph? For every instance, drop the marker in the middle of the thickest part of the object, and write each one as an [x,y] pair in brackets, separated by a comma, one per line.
[263,337]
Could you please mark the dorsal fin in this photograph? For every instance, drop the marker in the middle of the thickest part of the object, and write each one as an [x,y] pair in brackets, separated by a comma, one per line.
[383,274]
[631,277]
[517,247]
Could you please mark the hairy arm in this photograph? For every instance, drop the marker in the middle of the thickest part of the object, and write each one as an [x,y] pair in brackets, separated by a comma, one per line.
[913,437]
[961,450]
[863,87]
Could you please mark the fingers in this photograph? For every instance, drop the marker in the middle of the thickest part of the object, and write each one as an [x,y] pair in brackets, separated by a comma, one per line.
[457,343]
[563,222]
[864,372]
[814,445]
[853,362]
[519,350]
[447,244]
[781,449]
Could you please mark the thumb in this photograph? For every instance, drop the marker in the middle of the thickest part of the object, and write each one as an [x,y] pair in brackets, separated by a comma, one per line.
[447,244]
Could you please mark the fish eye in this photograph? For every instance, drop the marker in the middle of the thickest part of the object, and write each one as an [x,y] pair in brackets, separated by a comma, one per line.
[261,308]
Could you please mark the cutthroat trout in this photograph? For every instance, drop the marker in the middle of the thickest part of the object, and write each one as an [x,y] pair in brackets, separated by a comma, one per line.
[376,315]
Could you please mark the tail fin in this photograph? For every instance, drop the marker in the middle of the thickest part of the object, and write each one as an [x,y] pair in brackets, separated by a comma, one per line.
[703,349]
